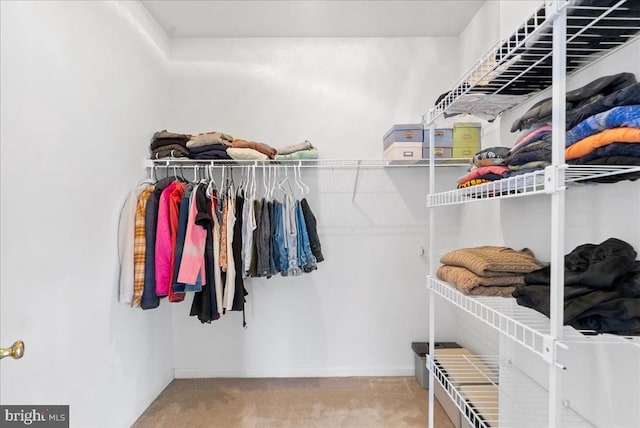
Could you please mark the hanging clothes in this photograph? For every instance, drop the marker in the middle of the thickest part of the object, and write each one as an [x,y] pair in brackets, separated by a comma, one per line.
[177,237]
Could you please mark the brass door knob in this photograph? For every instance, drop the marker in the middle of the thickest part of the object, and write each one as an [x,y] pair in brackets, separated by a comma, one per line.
[16,351]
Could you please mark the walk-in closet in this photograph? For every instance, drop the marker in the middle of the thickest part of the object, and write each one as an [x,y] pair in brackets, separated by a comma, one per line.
[320,213]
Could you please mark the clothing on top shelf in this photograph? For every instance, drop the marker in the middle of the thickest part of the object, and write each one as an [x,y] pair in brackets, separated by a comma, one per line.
[305,145]
[260,147]
[177,238]
[237,153]
[218,145]
[209,138]
[602,288]
[575,99]
[299,155]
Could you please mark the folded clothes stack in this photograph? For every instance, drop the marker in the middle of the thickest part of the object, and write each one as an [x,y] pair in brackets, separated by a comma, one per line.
[487,270]
[601,288]
[300,151]
[603,128]
[210,145]
[608,138]
[218,145]
[486,165]
[167,144]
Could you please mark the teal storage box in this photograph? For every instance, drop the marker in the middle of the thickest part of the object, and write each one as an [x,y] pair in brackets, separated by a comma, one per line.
[403,133]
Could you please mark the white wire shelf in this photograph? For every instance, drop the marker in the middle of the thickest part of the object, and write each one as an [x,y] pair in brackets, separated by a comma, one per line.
[521,64]
[316,163]
[507,398]
[533,183]
[525,326]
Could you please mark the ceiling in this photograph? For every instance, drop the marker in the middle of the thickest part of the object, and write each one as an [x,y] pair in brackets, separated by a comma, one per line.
[312,18]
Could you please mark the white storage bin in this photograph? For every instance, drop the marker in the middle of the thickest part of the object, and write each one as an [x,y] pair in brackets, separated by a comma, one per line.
[404,151]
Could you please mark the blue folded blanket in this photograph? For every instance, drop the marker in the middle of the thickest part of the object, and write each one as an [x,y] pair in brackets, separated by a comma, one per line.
[616,117]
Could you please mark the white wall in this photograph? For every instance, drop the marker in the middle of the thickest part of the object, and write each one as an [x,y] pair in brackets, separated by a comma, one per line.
[357,314]
[82,91]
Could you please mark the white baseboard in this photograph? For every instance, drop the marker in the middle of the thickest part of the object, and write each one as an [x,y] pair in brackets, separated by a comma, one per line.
[294,372]
[146,401]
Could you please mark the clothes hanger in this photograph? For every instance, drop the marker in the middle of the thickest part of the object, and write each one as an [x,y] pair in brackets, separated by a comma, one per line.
[307,189]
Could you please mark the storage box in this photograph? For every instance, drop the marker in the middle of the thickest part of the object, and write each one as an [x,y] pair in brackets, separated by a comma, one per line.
[439,152]
[403,133]
[404,151]
[443,137]
[466,140]
[465,152]
[466,133]
[420,352]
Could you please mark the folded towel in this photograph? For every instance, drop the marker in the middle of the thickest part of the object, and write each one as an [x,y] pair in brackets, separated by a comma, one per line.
[492,261]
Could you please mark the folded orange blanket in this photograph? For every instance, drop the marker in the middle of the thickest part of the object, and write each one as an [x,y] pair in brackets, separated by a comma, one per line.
[608,136]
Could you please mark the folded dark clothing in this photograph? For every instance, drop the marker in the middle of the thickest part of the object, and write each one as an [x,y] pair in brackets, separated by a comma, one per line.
[543,143]
[156,144]
[590,265]
[166,135]
[613,149]
[576,99]
[629,95]
[175,147]
[615,160]
[630,327]
[212,154]
[490,177]
[202,149]
[521,158]
[577,300]
[490,156]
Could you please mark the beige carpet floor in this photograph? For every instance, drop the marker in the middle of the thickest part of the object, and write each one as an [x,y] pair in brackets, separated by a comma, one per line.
[292,402]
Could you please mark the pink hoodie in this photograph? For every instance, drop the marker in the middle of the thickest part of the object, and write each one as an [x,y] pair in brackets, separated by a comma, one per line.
[195,240]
